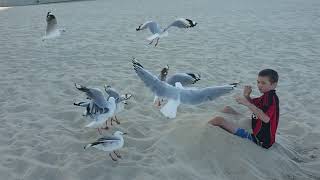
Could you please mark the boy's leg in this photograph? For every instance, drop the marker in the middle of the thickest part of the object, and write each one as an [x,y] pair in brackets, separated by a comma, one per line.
[221,122]
[230,110]
[231,128]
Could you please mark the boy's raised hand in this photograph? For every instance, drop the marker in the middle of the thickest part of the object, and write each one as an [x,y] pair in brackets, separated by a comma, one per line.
[247,91]
[242,100]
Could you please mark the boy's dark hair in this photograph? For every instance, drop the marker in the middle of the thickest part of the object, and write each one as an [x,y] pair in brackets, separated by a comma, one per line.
[272,74]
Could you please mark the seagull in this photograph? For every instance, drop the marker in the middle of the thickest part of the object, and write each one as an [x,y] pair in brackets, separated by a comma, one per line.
[120,100]
[99,108]
[185,79]
[52,30]
[109,143]
[177,94]
[158,33]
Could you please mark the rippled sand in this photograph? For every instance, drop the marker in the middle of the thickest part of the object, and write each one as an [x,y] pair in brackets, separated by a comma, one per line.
[42,134]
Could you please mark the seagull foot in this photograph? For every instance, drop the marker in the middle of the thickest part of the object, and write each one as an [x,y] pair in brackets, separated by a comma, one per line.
[112,157]
[118,155]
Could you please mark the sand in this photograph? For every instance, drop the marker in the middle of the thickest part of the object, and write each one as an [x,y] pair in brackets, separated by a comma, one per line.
[42,134]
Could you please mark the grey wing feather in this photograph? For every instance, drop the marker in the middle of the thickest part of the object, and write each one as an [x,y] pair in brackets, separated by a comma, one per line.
[160,88]
[180,23]
[109,138]
[106,142]
[183,78]
[112,93]
[95,94]
[154,27]
[203,95]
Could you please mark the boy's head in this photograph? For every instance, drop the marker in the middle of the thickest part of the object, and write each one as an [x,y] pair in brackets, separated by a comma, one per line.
[267,80]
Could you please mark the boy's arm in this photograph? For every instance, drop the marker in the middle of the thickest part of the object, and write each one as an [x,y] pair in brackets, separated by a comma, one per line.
[258,112]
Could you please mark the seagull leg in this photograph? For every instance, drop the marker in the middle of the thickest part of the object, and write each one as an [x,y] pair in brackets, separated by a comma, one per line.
[157,103]
[117,154]
[112,157]
[106,128]
[117,121]
[151,42]
[111,121]
[99,131]
[156,42]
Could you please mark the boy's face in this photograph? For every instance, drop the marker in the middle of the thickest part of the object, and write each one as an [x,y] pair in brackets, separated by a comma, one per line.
[264,84]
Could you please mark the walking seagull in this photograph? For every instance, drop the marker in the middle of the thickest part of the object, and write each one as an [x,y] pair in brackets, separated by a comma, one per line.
[120,101]
[109,143]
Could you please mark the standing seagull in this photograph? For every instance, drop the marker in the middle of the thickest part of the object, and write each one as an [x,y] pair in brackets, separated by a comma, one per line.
[177,94]
[109,144]
[158,33]
[99,108]
[120,101]
[52,30]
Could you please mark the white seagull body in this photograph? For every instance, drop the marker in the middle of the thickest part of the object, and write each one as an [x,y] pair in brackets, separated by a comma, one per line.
[100,109]
[52,30]
[109,144]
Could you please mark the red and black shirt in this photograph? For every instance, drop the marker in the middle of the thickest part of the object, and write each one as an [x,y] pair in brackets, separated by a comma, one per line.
[265,133]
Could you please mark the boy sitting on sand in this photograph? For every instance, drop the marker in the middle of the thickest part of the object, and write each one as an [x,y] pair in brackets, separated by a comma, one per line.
[265,111]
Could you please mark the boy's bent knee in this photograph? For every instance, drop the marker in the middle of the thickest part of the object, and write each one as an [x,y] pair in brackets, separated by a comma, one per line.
[216,121]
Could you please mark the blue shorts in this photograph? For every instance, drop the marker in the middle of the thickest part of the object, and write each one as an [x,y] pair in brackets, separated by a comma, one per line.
[246,135]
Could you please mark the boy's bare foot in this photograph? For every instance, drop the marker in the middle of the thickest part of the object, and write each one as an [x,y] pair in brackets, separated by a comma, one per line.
[221,122]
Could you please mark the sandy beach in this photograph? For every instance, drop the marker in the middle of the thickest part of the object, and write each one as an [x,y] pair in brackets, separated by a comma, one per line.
[42,133]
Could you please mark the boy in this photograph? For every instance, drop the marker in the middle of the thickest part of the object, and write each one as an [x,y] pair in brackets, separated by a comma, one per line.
[265,111]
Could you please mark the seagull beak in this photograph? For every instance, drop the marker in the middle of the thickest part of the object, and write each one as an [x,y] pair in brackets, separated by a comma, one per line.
[125,133]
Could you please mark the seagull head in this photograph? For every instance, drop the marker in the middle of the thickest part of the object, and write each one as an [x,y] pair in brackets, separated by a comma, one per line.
[50,16]
[119,133]
[87,146]
[195,23]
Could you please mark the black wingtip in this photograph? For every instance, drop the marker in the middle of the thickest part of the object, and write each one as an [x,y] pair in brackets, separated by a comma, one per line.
[136,63]
[234,84]
[191,23]
[196,77]
[139,28]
